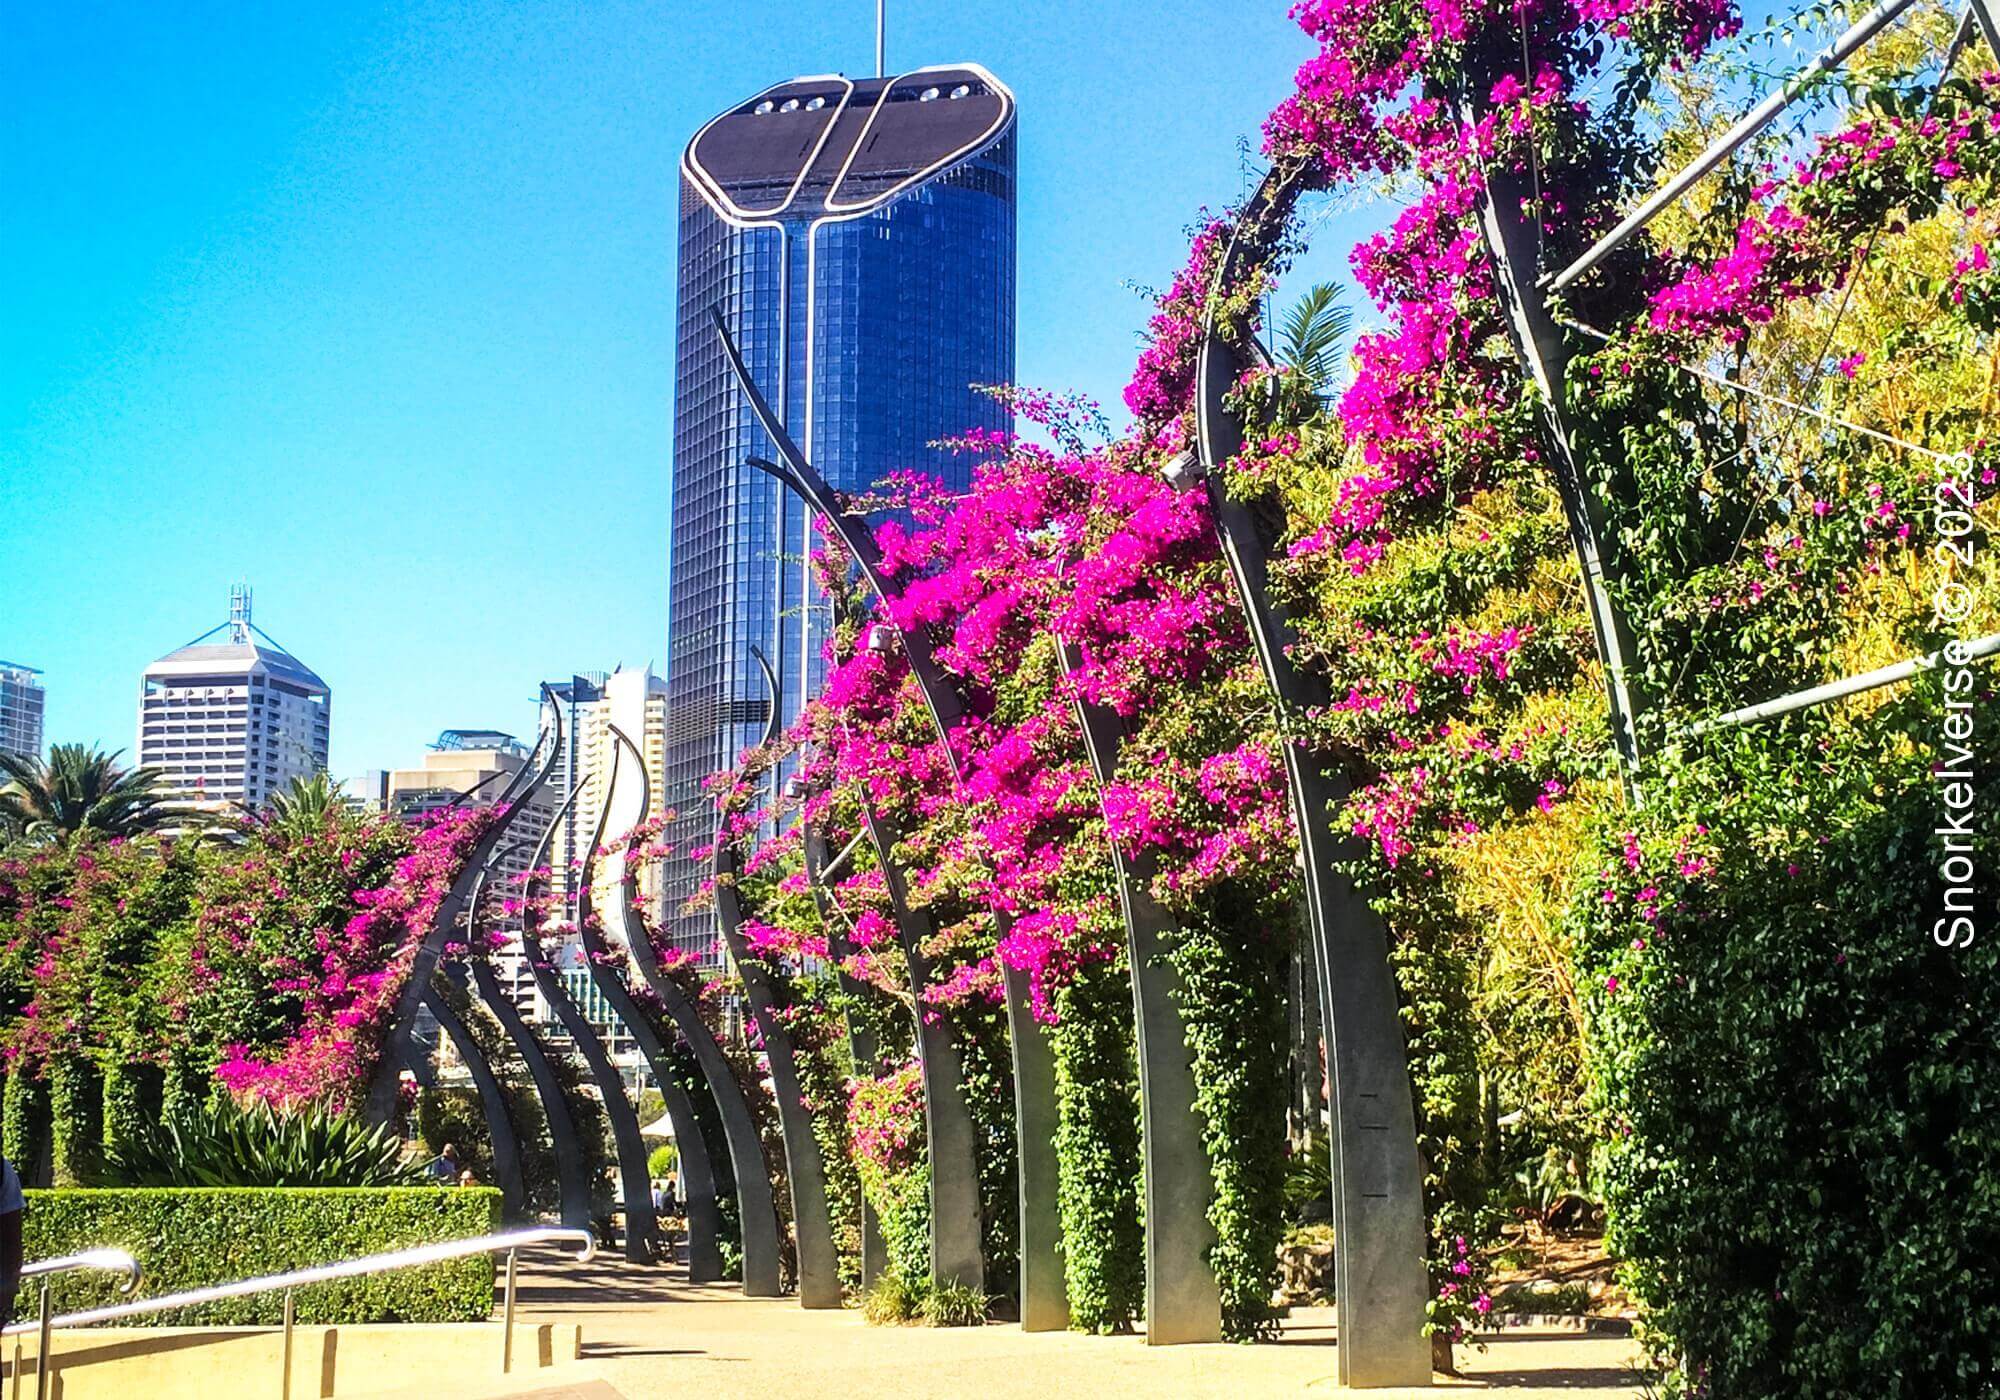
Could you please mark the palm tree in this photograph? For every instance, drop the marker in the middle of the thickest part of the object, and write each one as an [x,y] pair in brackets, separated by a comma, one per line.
[1313,331]
[81,789]
[304,807]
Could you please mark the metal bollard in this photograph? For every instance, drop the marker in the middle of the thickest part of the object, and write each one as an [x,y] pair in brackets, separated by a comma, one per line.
[285,1385]
[46,1340]
[507,1320]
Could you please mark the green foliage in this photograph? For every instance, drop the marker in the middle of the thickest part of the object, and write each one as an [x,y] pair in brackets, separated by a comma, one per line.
[222,1144]
[1309,1176]
[1233,1001]
[456,1116]
[892,1301]
[1097,1150]
[190,1238]
[953,1304]
[662,1161]
[81,791]
[1311,335]
[76,1120]
[1800,1105]
[26,1120]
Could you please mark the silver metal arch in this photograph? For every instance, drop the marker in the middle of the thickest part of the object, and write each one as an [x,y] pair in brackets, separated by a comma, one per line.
[819,1262]
[697,1173]
[640,1228]
[381,1102]
[1382,1283]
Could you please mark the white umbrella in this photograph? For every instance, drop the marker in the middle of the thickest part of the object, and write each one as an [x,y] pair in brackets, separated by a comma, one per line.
[661,1127]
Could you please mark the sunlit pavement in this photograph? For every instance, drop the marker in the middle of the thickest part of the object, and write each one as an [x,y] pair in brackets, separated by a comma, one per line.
[649,1336]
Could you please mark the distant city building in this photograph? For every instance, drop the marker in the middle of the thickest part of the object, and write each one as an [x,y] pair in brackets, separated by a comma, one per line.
[368,790]
[857,237]
[21,707]
[230,723]
[473,768]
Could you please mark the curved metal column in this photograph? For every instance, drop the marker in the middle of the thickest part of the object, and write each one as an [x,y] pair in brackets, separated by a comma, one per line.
[1044,1299]
[757,1211]
[381,1104]
[640,1228]
[861,1046]
[1182,1301]
[956,1254]
[1381,1284]
[572,1183]
[819,1263]
[493,1103]
[697,1175]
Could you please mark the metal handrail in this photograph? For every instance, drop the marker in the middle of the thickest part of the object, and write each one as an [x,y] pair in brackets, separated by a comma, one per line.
[111,1261]
[347,1268]
[511,1242]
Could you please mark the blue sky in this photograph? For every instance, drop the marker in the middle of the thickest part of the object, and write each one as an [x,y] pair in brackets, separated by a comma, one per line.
[371,305]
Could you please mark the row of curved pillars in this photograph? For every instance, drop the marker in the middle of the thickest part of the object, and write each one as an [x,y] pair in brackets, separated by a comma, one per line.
[1377,1182]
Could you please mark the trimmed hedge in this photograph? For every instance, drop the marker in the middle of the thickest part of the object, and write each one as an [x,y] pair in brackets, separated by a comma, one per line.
[194,1237]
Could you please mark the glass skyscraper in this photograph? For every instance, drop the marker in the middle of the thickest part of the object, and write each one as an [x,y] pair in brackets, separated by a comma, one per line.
[858,237]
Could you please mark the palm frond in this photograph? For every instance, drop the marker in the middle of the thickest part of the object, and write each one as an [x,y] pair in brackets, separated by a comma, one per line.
[1313,332]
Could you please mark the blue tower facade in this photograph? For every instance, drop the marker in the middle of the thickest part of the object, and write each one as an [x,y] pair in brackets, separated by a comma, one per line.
[858,238]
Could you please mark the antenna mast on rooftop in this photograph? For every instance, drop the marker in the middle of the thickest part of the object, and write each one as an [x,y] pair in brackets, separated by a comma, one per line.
[239,613]
[881,37]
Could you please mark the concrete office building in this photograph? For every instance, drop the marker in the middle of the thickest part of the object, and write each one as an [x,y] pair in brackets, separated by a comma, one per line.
[232,717]
[22,702]
[857,236]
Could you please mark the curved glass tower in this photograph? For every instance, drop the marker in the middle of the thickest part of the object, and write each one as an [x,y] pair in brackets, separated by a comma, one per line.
[858,237]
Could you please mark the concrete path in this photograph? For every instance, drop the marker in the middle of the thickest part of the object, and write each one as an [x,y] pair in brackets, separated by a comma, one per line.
[650,1336]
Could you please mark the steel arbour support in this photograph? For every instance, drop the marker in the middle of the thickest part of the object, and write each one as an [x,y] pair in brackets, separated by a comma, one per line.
[572,1182]
[381,1103]
[1545,354]
[956,1244]
[756,1208]
[697,1174]
[1727,144]
[1044,1297]
[492,1102]
[1382,1285]
[639,1226]
[861,1045]
[1183,1303]
[819,1263]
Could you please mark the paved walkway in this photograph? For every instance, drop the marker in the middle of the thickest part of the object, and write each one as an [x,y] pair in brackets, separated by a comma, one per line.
[650,1336]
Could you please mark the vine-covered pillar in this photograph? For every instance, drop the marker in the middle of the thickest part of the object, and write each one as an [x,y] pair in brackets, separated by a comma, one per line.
[1381,1284]
[819,1263]
[1183,1303]
[492,1102]
[956,1255]
[861,1046]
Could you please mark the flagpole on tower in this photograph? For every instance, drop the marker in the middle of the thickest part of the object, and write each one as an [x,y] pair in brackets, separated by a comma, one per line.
[881,37]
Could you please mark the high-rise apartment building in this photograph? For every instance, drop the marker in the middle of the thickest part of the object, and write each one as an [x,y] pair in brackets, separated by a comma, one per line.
[857,236]
[21,707]
[231,722]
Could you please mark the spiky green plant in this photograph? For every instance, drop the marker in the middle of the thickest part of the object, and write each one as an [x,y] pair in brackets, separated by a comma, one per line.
[221,1144]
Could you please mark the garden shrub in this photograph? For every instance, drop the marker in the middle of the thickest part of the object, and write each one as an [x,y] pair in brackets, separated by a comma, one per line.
[25,1110]
[1097,1150]
[189,1238]
[1798,1082]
